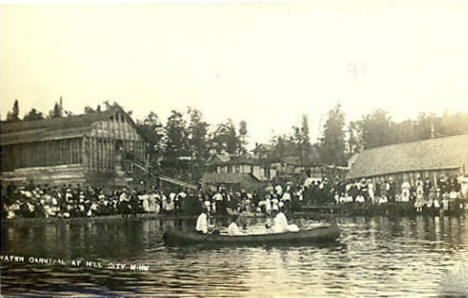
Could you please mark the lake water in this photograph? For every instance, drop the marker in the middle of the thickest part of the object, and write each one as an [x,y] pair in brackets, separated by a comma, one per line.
[373,256]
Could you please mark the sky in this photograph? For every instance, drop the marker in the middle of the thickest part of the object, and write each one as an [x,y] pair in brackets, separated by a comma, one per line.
[263,62]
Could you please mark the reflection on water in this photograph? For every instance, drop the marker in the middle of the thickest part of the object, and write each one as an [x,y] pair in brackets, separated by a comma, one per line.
[379,255]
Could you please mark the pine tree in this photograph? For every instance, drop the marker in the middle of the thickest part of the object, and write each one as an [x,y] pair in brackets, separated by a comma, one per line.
[56,112]
[13,116]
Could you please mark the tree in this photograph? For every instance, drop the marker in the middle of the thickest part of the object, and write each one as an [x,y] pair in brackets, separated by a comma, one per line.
[242,135]
[354,138]
[197,142]
[282,146]
[197,134]
[405,131]
[225,138]
[301,142]
[425,125]
[450,125]
[13,116]
[295,145]
[88,110]
[176,143]
[376,129]
[57,111]
[33,115]
[333,141]
[152,130]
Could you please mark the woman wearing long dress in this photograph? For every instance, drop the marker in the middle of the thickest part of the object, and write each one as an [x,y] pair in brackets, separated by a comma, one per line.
[280,224]
[405,191]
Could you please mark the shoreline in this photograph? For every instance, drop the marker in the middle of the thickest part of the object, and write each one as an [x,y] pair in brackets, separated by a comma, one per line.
[333,211]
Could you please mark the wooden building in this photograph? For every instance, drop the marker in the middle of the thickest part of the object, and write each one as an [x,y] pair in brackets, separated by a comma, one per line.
[242,172]
[429,158]
[96,148]
[244,165]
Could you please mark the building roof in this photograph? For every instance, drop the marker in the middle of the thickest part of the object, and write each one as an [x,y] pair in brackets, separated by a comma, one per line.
[242,160]
[244,180]
[440,153]
[218,159]
[352,159]
[262,147]
[56,128]
[291,160]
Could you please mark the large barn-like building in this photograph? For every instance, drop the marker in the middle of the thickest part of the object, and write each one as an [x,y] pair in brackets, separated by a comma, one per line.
[429,158]
[99,148]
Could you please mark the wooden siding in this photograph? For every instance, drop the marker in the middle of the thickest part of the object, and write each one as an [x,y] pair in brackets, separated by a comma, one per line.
[38,154]
[90,148]
[52,175]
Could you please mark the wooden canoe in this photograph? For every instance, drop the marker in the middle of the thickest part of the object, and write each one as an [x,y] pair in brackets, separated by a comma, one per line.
[316,235]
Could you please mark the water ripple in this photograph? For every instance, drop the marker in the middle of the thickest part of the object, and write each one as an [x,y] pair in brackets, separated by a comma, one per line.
[373,257]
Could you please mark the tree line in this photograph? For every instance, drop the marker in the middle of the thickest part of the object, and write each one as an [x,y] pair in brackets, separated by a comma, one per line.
[182,145]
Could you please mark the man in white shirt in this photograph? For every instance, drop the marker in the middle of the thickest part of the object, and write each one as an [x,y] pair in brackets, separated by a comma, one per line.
[308,182]
[274,204]
[279,190]
[286,196]
[267,204]
[217,196]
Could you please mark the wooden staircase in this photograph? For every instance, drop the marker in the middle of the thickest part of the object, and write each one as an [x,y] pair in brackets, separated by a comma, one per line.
[142,167]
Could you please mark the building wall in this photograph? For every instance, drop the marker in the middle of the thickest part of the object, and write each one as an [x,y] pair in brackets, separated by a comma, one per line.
[258,172]
[273,173]
[433,175]
[261,173]
[107,139]
[104,150]
[42,154]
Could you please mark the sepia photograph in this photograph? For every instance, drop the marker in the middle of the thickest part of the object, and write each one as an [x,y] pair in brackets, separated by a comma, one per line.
[234,148]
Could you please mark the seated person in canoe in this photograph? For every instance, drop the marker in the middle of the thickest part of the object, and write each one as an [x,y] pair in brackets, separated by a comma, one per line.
[280,223]
[233,229]
[203,226]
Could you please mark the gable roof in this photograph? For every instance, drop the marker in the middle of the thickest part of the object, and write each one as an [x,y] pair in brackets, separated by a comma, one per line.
[262,147]
[56,128]
[244,180]
[218,159]
[241,160]
[440,153]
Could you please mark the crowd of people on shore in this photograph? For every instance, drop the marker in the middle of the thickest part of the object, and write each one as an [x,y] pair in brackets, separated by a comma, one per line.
[448,192]
[67,201]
